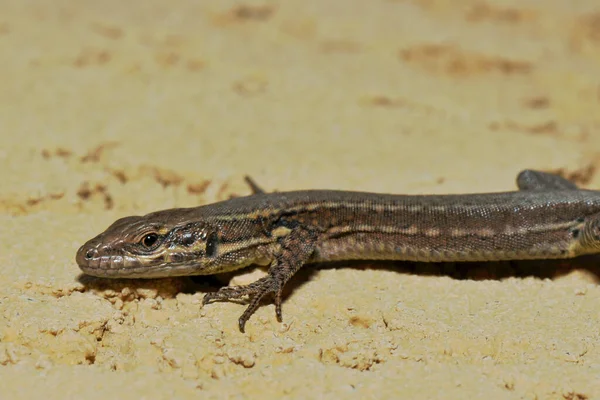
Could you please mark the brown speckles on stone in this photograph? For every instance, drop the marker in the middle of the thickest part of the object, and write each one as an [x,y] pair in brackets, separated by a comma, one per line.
[243,13]
[536,103]
[545,128]
[454,61]
[360,322]
[587,28]
[483,11]
[119,174]
[33,201]
[198,188]
[580,176]
[97,152]
[84,192]
[87,190]
[59,152]
[92,57]
[108,31]
[168,59]
[164,176]
[195,64]
[252,12]
[250,86]
[384,101]
[550,128]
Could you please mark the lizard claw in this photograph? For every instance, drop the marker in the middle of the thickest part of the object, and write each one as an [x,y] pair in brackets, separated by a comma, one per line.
[256,290]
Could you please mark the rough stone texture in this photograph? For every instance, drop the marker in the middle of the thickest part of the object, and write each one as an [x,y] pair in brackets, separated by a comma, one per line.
[116,108]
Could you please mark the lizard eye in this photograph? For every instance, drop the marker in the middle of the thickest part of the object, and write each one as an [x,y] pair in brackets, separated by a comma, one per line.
[149,240]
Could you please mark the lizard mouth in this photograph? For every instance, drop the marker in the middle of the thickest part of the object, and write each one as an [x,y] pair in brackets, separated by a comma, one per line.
[105,266]
[126,266]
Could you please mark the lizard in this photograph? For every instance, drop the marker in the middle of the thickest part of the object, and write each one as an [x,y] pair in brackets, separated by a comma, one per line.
[549,217]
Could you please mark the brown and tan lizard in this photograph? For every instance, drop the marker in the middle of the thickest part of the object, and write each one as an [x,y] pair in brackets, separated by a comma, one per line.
[549,217]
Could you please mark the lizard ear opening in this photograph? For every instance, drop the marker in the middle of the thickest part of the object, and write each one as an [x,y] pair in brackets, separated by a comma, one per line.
[212,242]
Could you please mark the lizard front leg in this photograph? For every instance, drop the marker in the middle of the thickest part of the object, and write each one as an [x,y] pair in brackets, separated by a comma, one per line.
[294,247]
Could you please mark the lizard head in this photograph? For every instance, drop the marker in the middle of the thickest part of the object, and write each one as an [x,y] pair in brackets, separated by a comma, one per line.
[151,246]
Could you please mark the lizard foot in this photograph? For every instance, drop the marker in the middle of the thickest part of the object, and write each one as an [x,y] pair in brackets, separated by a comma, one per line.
[256,291]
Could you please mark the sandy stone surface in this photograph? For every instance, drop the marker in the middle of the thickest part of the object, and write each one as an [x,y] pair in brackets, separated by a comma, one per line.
[115,108]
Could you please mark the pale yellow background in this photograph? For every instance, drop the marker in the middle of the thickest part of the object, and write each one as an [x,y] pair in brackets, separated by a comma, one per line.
[111,108]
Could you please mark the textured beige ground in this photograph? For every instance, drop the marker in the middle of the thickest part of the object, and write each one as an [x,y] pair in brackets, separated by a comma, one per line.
[114,108]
